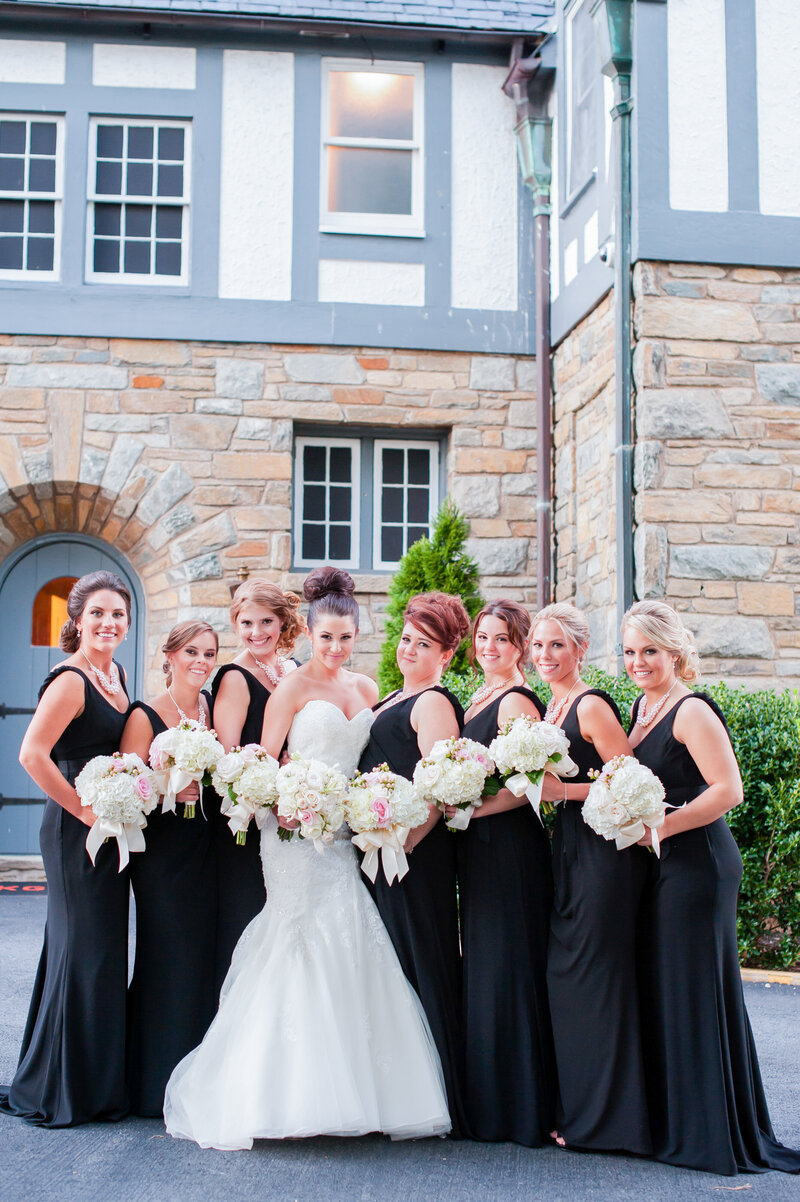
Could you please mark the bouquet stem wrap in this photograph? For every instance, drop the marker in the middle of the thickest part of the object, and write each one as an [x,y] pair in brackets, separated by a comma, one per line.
[129,837]
[170,782]
[386,846]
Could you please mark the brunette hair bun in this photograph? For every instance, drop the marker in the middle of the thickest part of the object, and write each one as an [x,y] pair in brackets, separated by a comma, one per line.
[330,590]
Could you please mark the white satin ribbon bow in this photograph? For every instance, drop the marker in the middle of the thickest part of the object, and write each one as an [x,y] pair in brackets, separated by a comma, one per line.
[386,846]
[129,837]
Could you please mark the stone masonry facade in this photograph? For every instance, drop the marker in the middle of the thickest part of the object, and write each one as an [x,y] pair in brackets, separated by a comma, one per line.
[180,455]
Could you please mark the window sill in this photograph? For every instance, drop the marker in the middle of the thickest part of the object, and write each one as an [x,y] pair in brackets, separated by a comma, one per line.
[377,232]
[576,196]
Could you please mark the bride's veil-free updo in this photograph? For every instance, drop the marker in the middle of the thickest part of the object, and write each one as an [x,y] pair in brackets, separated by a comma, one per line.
[330,591]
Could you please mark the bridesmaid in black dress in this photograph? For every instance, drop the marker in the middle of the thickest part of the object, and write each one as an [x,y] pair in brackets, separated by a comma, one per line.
[506,894]
[171,1000]
[72,1063]
[707,1104]
[420,912]
[268,623]
[591,962]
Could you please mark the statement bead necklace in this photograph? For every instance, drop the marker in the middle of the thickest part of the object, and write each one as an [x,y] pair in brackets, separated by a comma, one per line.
[485,691]
[200,719]
[109,684]
[643,718]
[556,708]
[273,675]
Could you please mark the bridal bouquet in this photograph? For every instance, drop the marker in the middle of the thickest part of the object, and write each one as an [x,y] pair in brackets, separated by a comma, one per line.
[121,791]
[524,750]
[381,809]
[184,753]
[454,773]
[313,795]
[624,799]
[245,779]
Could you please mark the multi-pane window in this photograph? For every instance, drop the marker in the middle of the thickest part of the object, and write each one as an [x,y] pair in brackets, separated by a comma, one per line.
[372,122]
[139,201]
[585,81]
[30,195]
[362,502]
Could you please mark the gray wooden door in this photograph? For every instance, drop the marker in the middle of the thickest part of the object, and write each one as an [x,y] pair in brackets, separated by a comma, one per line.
[24,667]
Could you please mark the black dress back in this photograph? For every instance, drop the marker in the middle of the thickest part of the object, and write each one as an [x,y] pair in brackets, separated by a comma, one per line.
[393,740]
[259,696]
[581,751]
[483,727]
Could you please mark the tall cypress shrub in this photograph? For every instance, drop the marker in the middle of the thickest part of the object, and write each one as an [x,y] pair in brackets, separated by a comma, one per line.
[435,564]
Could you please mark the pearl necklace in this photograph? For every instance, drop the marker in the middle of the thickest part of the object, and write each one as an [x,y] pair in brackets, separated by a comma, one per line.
[201,718]
[485,691]
[109,684]
[642,717]
[273,675]
[555,708]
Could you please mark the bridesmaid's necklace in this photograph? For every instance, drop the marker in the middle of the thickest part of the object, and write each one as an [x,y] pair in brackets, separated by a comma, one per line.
[556,708]
[486,690]
[643,718]
[273,675]
[200,719]
[109,684]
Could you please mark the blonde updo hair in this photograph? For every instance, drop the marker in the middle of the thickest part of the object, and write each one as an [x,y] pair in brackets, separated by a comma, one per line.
[662,626]
[179,636]
[573,623]
[285,606]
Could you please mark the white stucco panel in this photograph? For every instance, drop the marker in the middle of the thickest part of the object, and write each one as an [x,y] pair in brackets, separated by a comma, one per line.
[132,66]
[484,185]
[698,105]
[23,61]
[361,282]
[256,189]
[778,62]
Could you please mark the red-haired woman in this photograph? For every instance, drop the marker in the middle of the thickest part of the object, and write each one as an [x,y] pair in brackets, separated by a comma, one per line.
[172,999]
[268,623]
[420,912]
[505,893]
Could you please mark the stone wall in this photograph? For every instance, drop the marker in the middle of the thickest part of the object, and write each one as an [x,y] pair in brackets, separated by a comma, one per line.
[180,454]
[717,373]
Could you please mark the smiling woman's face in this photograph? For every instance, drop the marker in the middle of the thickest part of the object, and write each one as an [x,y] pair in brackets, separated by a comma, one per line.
[332,639]
[652,668]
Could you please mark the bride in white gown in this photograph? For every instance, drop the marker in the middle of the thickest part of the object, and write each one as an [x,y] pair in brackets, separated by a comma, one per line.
[318,1030]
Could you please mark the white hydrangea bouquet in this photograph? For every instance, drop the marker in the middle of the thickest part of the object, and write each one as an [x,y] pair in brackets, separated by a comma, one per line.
[184,753]
[624,799]
[381,808]
[455,772]
[524,750]
[245,779]
[121,790]
[313,795]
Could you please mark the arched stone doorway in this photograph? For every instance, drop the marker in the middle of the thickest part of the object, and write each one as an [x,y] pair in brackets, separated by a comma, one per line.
[33,582]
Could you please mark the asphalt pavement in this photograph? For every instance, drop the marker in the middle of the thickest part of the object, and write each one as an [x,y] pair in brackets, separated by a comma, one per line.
[135,1161]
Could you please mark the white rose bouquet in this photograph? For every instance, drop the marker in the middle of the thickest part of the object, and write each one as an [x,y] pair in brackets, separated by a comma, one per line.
[313,795]
[381,808]
[624,799]
[524,750]
[245,779]
[454,773]
[121,791]
[184,753]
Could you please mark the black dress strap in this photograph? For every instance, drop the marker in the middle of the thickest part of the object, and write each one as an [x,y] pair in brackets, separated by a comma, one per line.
[157,723]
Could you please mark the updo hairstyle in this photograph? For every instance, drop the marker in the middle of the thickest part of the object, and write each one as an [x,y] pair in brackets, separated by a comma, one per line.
[78,599]
[285,606]
[330,591]
[440,616]
[573,623]
[518,624]
[662,626]
[182,634]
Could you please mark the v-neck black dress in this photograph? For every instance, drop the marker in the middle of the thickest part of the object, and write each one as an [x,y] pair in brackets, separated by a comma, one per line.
[241,892]
[707,1104]
[72,1063]
[171,999]
[421,912]
[506,894]
[591,972]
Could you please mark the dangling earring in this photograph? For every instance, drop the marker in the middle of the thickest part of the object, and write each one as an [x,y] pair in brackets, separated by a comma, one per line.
[80,632]
[125,639]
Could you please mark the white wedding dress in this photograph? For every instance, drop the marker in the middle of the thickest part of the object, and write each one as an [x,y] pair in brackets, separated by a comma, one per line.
[318,1030]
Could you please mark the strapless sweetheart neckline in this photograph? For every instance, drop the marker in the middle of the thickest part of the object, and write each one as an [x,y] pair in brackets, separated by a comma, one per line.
[332,705]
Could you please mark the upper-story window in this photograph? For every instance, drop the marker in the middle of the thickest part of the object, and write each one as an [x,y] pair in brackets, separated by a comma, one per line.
[372,165]
[583,98]
[30,195]
[138,219]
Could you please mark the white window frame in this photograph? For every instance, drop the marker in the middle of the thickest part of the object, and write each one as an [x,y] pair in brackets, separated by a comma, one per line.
[571,191]
[184,203]
[388,224]
[395,444]
[56,197]
[355,511]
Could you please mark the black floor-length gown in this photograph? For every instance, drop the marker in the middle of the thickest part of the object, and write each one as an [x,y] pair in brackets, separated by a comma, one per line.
[591,972]
[72,1062]
[421,911]
[172,999]
[506,894]
[241,892]
[707,1104]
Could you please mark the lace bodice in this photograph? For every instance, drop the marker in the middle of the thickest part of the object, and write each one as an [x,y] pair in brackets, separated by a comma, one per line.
[321,731]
